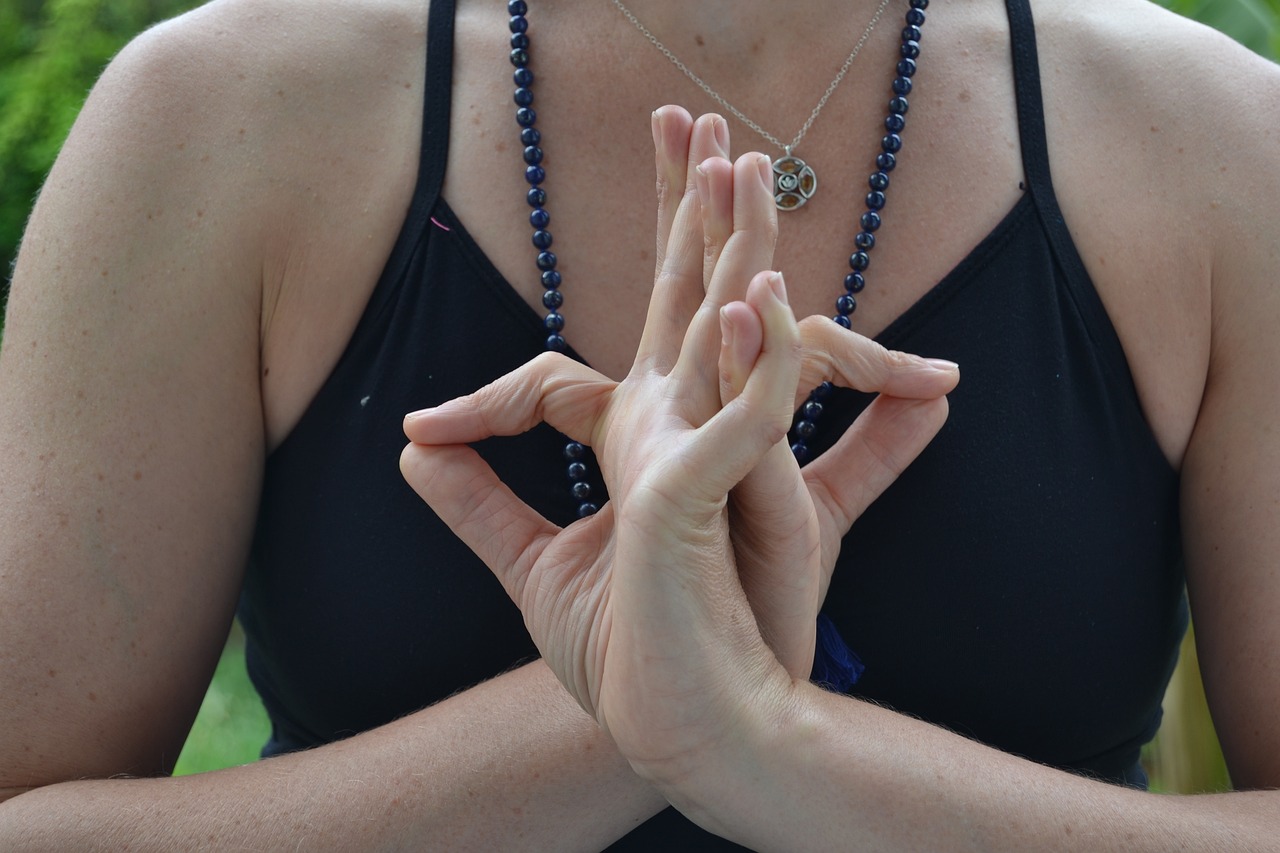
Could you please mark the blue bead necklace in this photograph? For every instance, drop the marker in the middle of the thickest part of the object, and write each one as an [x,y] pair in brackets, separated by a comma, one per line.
[575,454]
[806,424]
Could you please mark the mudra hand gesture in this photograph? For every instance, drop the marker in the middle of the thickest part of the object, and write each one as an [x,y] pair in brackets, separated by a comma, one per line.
[652,611]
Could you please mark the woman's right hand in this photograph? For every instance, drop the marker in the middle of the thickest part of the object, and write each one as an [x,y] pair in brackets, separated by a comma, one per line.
[786,522]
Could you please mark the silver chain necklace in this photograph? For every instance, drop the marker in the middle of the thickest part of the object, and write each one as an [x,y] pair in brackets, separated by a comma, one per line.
[794,181]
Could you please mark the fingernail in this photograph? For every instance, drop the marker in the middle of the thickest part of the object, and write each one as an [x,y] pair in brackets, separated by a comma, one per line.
[655,123]
[766,172]
[702,183]
[417,414]
[720,129]
[941,364]
[779,287]
[726,329]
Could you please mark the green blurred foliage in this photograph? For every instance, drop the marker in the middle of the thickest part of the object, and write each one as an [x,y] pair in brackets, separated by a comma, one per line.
[232,725]
[51,51]
[1253,23]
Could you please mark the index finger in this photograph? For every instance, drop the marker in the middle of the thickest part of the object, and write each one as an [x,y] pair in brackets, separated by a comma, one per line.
[550,388]
[848,359]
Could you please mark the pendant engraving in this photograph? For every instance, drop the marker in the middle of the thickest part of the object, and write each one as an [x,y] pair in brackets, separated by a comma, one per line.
[794,182]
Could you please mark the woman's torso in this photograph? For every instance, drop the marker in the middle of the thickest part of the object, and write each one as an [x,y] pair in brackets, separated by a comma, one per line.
[959,184]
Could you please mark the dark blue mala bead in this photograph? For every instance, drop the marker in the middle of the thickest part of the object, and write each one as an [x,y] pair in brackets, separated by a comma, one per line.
[806,423]
[575,454]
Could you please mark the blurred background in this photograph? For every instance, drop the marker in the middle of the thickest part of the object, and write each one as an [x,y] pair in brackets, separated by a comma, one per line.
[51,51]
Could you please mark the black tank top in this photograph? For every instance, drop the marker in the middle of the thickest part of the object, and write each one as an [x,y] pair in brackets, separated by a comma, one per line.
[1020,584]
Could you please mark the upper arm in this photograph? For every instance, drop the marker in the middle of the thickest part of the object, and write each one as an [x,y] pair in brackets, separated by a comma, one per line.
[131,439]
[1231,473]
[193,269]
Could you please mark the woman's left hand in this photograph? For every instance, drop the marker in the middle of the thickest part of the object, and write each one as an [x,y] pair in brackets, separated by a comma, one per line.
[638,608]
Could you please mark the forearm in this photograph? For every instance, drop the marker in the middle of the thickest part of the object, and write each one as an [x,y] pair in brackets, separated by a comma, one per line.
[830,772]
[514,759]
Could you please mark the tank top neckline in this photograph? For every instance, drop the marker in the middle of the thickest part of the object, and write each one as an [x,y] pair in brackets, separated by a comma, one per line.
[1038,196]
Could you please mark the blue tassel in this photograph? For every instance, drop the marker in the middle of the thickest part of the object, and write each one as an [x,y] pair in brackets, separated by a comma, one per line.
[835,666]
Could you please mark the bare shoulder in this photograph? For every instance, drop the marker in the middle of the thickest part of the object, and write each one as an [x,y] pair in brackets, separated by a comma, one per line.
[301,39]
[1134,64]
[1203,110]
[1185,126]
[1165,144]
[305,73]
[257,97]
[1142,29]
[302,118]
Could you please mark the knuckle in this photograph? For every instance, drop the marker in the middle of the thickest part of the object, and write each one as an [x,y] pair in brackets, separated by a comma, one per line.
[815,358]
[668,195]
[896,360]
[793,346]
[727,384]
[775,430]
[546,363]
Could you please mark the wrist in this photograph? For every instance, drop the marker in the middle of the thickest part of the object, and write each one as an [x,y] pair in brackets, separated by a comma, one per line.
[730,773]
[769,786]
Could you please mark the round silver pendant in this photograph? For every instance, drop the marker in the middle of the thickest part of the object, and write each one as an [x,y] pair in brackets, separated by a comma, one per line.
[794,182]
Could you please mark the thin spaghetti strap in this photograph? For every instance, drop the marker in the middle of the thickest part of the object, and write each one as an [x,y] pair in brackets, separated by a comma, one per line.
[1035,166]
[1026,81]
[1035,146]
[437,101]
[432,160]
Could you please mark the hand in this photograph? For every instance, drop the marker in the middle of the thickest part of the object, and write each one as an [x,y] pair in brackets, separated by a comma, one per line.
[586,405]
[787,523]
[624,605]
[575,632]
